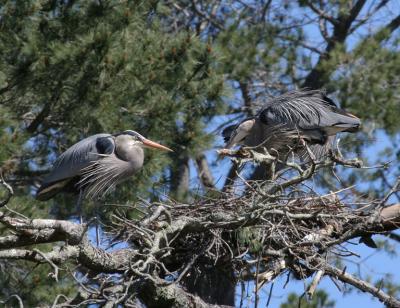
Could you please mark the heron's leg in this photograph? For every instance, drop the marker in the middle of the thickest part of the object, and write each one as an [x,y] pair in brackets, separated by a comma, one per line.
[96,212]
[79,205]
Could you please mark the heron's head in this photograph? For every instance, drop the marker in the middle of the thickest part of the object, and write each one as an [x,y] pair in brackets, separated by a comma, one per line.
[141,141]
[236,134]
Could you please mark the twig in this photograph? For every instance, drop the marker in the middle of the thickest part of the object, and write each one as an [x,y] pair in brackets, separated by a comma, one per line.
[362,285]
[393,190]
[313,286]
[55,267]
[9,189]
[270,294]
[20,303]
[55,303]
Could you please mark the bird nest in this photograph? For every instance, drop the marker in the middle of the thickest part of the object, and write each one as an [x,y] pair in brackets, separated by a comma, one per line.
[270,228]
[276,226]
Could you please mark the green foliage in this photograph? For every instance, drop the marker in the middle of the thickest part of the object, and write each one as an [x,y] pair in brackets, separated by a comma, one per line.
[368,83]
[319,300]
[251,238]
[36,286]
[388,285]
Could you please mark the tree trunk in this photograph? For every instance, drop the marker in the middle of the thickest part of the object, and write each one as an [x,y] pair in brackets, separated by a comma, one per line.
[213,283]
[204,171]
[180,176]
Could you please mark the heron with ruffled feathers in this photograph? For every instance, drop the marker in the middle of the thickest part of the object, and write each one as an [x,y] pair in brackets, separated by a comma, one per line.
[95,165]
[308,115]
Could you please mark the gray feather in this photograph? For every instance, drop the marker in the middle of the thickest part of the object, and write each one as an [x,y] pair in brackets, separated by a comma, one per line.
[95,165]
[307,110]
[103,175]
[307,114]
[74,159]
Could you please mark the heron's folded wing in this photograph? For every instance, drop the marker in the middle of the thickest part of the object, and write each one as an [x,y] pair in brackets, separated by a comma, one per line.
[70,163]
[307,111]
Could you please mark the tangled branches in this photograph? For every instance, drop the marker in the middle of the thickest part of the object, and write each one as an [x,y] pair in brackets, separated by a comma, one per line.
[274,227]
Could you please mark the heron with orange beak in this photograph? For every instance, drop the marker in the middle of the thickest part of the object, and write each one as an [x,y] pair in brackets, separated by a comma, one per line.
[95,165]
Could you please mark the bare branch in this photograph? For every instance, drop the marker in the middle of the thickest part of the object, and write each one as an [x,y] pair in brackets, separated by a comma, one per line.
[20,303]
[314,284]
[9,189]
[154,296]
[362,285]
[321,13]
[172,240]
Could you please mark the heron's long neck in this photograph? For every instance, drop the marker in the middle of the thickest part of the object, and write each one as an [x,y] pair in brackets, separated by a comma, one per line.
[132,154]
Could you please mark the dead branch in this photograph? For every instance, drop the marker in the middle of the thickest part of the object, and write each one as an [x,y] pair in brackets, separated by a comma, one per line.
[314,284]
[173,240]
[386,299]
[9,189]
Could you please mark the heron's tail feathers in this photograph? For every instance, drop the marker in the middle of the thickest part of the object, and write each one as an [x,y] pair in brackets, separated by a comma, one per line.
[48,190]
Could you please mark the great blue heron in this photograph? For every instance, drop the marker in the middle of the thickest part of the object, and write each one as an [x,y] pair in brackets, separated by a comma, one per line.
[94,165]
[305,114]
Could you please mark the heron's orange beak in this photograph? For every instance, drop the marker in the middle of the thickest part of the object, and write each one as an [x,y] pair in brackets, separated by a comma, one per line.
[152,144]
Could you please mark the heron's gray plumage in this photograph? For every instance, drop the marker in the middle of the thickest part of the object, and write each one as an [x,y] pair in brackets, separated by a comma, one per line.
[96,164]
[307,110]
[309,115]
[76,158]
[101,176]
